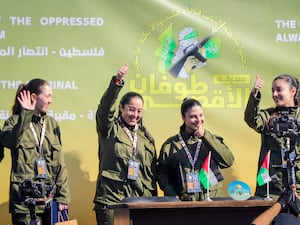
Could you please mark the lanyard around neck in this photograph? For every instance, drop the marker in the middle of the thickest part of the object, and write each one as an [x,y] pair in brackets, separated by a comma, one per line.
[132,138]
[39,143]
[187,151]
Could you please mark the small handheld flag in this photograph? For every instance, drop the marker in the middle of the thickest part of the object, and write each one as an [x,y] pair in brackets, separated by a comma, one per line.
[209,174]
[263,175]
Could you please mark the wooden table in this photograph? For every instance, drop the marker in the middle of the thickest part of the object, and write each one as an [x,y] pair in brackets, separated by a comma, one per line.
[221,212]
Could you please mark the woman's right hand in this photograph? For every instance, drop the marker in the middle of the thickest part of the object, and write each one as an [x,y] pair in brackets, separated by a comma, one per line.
[122,72]
[259,83]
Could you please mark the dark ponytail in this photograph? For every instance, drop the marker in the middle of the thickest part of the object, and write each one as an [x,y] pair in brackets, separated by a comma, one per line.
[16,109]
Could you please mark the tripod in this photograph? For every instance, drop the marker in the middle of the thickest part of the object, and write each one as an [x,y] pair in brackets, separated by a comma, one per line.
[33,200]
[291,158]
[287,129]
[34,218]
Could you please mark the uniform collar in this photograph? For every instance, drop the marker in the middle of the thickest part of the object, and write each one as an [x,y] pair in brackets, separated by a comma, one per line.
[38,118]
[187,136]
[123,123]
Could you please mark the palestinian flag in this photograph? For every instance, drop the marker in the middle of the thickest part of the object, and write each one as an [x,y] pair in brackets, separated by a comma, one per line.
[209,174]
[263,175]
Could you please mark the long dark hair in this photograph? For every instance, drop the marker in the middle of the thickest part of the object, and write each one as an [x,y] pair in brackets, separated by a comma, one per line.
[33,86]
[125,100]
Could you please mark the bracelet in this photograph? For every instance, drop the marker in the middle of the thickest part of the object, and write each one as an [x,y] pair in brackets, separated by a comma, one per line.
[117,81]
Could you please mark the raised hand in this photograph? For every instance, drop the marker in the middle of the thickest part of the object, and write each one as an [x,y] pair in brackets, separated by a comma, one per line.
[259,83]
[26,101]
[122,72]
[199,132]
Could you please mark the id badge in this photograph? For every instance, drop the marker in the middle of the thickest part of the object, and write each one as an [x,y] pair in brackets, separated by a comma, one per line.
[41,168]
[133,170]
[192,182]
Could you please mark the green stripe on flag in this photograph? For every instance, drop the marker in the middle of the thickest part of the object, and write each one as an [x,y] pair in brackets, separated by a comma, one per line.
[261,177]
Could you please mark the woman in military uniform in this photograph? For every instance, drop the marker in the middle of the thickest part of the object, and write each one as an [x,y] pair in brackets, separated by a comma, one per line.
[182,155]
[38,168]
[285,93]
[127,154]
[274,134]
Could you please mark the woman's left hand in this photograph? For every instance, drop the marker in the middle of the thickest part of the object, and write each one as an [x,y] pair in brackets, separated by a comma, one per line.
[62,206]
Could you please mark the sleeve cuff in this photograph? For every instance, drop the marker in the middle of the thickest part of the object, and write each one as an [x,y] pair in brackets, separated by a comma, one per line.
[118,82]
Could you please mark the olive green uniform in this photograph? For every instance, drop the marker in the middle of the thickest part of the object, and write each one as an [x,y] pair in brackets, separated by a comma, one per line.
[115,151]
[173,164]
[19,137]
[257,119]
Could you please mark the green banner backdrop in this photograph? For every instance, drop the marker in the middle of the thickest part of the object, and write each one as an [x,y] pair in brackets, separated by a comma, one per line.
[78,45]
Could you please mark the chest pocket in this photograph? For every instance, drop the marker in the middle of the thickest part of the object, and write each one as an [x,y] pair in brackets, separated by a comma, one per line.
[123,147]
[146,153]
[27,152]
[55,159]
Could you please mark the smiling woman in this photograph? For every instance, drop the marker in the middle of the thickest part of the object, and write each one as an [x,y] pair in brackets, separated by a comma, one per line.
[280,145]
[285,94]
[131,108]
[127,153]
[183,155]
[75,44]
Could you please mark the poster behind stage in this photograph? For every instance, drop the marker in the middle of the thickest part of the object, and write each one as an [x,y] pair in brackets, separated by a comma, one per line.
[78,45]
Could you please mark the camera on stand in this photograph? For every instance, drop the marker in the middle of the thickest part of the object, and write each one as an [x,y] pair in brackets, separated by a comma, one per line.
[288,128]
[31,189]
[284,125]
[35,193]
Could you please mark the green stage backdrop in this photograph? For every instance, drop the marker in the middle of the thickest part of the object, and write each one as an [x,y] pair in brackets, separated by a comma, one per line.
[79,44]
